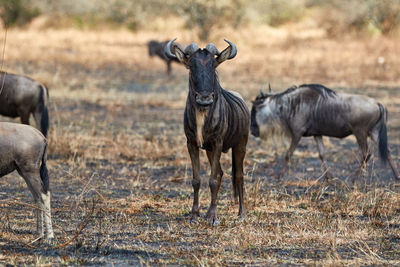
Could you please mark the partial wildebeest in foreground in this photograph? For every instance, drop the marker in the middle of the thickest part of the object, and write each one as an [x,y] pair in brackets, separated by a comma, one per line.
[21,96]
[23,148]
[215,120]
[157,48]
[314,110]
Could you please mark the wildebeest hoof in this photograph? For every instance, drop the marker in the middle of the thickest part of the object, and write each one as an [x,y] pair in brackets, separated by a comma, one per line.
[212,221]
[50,241]
[241,218]
[211,218]
[194,218]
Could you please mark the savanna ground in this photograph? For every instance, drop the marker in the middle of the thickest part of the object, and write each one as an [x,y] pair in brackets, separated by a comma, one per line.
[121,175]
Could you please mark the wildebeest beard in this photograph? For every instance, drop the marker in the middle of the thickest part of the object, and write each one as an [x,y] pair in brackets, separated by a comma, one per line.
[273,129]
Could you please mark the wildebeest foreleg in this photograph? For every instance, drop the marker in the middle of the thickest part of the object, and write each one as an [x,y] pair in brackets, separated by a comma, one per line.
[194,157]
[214,182]
[169,67]
[24,117]
[238,153]
[220,173]
[293,144]
[321,152]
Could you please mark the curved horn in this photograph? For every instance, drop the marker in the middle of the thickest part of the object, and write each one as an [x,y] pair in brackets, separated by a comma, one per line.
[212,49]
[167,49]
[234,49]
[190,49]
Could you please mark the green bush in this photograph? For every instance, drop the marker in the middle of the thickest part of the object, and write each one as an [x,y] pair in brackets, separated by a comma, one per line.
[384,14]
[16,12]
[205,15]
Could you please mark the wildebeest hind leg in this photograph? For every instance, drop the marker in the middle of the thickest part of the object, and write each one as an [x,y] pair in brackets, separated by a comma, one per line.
[375,139]
[33,180]
[238,154]
[391,163]
[365,155]
[194,157]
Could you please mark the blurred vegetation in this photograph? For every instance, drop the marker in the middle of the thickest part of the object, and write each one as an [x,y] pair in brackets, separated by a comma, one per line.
[17,12]
[335,16]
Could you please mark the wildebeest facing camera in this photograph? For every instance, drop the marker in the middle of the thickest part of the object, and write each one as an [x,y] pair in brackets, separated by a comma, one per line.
[215,120]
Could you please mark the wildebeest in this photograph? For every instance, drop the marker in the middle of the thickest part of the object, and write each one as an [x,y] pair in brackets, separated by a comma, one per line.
[214,119]
[21,96]
[314,110]
[23,148]
[157,48]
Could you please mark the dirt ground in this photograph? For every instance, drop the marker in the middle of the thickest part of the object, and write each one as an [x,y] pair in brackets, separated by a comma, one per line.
[121,176]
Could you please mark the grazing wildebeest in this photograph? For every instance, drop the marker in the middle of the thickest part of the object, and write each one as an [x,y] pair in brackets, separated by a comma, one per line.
[157,48]
[23,148]
[21,96]
[215,120]
[314,110]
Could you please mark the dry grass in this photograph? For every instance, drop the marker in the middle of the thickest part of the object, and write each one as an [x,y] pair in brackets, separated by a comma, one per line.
[118,160]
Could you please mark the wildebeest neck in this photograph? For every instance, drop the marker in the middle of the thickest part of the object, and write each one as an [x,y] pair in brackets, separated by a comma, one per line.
[254,128]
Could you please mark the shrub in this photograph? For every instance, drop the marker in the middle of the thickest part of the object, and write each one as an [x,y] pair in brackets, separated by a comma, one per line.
[384,14]
[207,14]
[16,12]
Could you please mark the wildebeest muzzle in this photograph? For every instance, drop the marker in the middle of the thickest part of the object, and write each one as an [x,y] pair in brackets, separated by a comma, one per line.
[204,100]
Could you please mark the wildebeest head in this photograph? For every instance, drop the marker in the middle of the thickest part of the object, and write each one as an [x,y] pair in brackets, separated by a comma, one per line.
[257,104]
[152,45]
[202,64]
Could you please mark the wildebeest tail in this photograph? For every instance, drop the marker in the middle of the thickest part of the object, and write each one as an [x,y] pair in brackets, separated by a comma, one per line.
[383,139]
[44,174]
[44,120]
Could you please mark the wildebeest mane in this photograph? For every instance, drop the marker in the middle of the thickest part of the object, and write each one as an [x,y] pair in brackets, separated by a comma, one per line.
[318,88]
[322,90]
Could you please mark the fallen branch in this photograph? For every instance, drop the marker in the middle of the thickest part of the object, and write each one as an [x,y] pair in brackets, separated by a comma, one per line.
[84,223]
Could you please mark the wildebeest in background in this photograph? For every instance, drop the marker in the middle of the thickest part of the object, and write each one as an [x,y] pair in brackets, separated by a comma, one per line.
[314,110]
[215,120]
[157,48]
[21,96]
[23,148]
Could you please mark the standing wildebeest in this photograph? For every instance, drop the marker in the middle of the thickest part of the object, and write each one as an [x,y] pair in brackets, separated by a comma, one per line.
[215,120]
[314,110]
[157,48]
[21,96]
[23,148]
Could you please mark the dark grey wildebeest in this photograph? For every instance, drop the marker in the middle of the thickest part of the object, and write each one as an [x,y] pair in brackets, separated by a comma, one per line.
[21,96]
[157,48]
[215,120]
[23,148]
[314,110]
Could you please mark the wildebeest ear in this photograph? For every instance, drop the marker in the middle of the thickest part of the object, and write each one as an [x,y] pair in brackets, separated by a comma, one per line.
[228,53]
[180,55]
[173,50]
